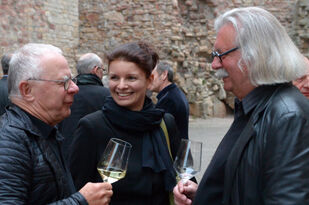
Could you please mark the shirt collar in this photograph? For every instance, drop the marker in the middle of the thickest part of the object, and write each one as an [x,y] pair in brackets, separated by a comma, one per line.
[44,129]
[254,97]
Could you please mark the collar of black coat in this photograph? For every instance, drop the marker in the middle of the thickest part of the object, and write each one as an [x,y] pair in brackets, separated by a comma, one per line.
[166,89]
[29,123]
[257,95]
[88,79]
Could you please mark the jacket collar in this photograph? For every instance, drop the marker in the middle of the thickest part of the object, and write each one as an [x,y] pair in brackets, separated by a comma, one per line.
[165,90]
[258,94]
[88,79]
[23,120]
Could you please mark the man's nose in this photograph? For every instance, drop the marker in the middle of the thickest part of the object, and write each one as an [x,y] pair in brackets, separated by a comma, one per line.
[216,63]
[73,88]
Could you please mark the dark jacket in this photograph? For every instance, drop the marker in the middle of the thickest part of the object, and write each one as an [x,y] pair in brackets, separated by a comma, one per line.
[141,185]
[174,101]
[4,100]
[271,165]
[29,170]
[90,98]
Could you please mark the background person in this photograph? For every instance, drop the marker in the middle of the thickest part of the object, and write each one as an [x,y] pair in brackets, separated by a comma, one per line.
[32,169]
[4,98]
[90,97]
[170,97]
[131,116]
[302,83]
[264,157]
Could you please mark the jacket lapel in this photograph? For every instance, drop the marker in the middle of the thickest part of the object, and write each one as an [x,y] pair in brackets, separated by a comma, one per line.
[234,157]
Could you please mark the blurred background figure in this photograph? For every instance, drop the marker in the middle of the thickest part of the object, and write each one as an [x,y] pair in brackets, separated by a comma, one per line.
[90,97]
[170,98]
[303,83]
[4,99]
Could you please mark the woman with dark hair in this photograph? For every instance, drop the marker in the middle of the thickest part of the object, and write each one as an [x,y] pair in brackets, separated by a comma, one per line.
[131,116]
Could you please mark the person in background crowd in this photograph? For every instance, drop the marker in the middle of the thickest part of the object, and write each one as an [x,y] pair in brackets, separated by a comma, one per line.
[264,157]
[302,83]
[170,97]
[130,116]
[4,99]
[32,169]
[90,97]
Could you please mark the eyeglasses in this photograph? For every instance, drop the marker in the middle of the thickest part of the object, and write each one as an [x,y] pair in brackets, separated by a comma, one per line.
[103,70]
[216,54]
[66,81]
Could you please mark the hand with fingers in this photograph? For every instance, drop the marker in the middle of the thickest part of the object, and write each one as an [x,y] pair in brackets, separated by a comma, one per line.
[184,193]
[97,193]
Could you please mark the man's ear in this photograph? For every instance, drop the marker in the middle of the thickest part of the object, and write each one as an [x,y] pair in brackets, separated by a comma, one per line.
[25,90]
[150,81]
[164,75]
[94,70]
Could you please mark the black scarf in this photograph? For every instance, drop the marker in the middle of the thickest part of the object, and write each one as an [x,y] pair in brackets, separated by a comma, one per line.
[88,79]
[155,154]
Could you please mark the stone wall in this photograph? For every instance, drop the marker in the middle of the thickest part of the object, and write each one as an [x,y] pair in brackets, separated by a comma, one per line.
[49,21]
[181,31]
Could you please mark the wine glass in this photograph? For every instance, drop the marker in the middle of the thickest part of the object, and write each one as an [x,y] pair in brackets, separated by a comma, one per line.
[114,161]
[188,159]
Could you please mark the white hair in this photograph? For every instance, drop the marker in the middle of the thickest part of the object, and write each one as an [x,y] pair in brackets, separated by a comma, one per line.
[267,50]
[87,62]
[26,64]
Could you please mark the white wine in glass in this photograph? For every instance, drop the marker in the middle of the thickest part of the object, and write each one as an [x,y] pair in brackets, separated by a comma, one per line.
[114,161]
[188,159]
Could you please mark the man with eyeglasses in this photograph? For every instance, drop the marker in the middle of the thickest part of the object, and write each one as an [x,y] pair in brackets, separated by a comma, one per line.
[32,168]
[170,98]
[264,156]
[90,97]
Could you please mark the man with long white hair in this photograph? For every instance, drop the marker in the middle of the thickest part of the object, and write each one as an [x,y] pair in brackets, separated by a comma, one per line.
[264,157]
[32,168]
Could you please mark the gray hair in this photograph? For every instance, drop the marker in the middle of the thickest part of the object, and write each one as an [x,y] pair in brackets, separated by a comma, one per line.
[87,62]
[267,50]
[5,63]
[26,63]
[161,67]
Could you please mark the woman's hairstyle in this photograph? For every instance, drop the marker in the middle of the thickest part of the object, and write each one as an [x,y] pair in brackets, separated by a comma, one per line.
[87,62]
[26,63]
[140,53]
[267,50]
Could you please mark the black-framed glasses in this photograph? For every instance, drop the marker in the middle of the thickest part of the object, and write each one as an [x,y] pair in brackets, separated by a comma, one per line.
[216,54]
[66,81]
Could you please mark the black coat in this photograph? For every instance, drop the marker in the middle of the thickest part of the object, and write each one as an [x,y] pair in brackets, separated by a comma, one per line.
[271,165]
[174,101]
[141,186]
[29,170]
[4,100]
[90,98]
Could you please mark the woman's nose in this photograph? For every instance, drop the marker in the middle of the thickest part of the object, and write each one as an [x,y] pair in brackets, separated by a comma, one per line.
[122,83]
